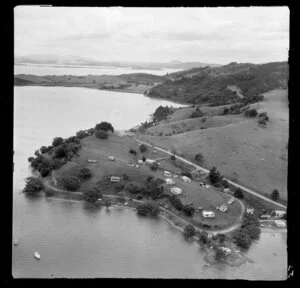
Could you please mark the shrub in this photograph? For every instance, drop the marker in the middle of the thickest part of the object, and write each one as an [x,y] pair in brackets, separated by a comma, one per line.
[173,158]
[253,231]
[36,161]
[125,176]
[154,188]
[85,173]
[226,111]
[30,159]
[33,184]
[132,151]
[45,172]
[188,210]
[175,201]
[57,141]
[105,126]
[139,197]
[214,176]
[189,231]
[71,183]
[60,152]
[203,237]
[154,166]
[101,134]
[148,208]
[196,113]
[144,159]
[275,195]
[44,149]
[262,121]
[118,187]
[82,134]
[199,157]
[224,183]
[242,239]
[57,163]
[92,195]
[143,148]
[238,193]
[220,237]
[220,254]
[135,188]
[251,113]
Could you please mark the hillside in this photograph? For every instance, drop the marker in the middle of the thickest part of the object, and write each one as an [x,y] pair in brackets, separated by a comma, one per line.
[135,83]
[209,85]
[243,151]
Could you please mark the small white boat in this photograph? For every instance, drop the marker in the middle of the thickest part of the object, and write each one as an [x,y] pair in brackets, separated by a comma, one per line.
[16,242]
[37,255]
[126,203]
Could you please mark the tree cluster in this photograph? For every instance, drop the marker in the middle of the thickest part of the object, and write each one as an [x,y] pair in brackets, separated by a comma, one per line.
[104,126]
[214,176]
[33,184]
[148,208]
[189,231]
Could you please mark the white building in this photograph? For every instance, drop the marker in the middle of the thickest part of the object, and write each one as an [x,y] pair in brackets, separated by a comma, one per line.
[250,210]
[169,181]
[223,208]
[226,250]
[280,223]
[140,161]
[150,161]
[279,213]
[115,179]
[208,214]
[226,190]
[176,190]
[186,179]
[111,158]
[231,201]
[167,174]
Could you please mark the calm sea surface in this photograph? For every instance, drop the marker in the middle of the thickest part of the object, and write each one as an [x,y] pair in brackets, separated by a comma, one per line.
[80,240]
[42,70]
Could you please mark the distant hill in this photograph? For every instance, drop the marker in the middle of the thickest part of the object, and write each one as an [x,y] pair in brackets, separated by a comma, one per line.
[77,60]
[210,84]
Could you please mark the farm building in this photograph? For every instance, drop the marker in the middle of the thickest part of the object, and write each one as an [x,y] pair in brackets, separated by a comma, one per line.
[186,179]
[92,161]
[226,190]
[250,210]
[208,214]
[226,250]
[231,201]
[175,190]
[115,179]
[150,161]
[111,158]
[169,181]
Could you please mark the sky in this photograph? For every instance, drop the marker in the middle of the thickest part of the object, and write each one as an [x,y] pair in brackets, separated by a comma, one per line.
[210,35]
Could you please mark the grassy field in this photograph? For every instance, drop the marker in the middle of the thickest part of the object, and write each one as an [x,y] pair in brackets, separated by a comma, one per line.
[117,146]
[251,155]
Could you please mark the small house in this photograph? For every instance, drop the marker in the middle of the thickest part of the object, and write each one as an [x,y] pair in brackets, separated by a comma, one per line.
[186,179]
[280,223]
[167,174]
[115,179]
[208,214]
[92,161]
[265,216]
[176,190]
[140,161]
[279,213]
[231,201]
[169,181]
[250,210]
[175,176]
[111,158]
[150,161]
[226,190]
[223,208]
[226,250]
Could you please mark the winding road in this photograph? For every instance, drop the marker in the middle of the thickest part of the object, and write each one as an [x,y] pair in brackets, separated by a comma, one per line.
[207,171]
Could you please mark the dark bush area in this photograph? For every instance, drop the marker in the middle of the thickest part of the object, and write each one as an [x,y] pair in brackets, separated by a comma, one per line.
[162,113]
[199,157]
[104,126]
[71,183]
[33,184]
[101,134]
[149,208]
[188,210]
[214,176]
[238,193]
[132,151]
[175,201]
[57,141]
[251,113]
[143,148]
[92,195]
[85,173]
[189,231]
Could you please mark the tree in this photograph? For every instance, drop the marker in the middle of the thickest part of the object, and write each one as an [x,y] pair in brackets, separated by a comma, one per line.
[143,148]
[154,166]
[57,163]
[101,134]
[30,159]
[105,126]
[37,152]
[44,149]
[71,183]
[173,158]
[85,173]
[251,113]
[203,237]
[275,195]
[81,134]
[33,184]
[214,176]
[154,188]
[132,151]
[189,231]
[175,201]
[144,159]
[139,197]
[107,203]
[220,254]
[253,231]
[45,172]
[188,210]
[36,161]
[57,141]
[262,121]
[135,187]
[238,193]
[148,208]
[199,157]
[242,239]
[225,111]
[125,176]
[60,152]
[92,195]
